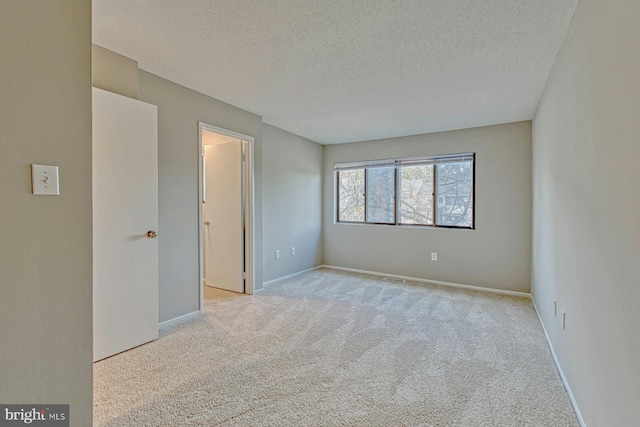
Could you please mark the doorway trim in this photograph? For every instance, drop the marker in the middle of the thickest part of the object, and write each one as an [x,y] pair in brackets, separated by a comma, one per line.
[248,178]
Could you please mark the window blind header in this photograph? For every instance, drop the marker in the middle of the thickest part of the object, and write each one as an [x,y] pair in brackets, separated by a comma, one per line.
[369,164]
[436,160]
[409,161]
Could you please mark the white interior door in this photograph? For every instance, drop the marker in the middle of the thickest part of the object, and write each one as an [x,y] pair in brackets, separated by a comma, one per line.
[223,216]
[125,209]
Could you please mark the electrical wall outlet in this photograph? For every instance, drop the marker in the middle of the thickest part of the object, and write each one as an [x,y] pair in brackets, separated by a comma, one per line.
[277,254]
[434,256]
[293,250]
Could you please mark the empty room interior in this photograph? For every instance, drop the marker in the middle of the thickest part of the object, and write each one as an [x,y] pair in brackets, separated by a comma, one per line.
[354,213]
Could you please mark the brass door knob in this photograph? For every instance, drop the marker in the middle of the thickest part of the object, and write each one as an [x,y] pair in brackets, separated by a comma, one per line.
[152,234]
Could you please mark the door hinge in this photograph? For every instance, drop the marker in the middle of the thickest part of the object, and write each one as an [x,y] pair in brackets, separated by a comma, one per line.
[244,276]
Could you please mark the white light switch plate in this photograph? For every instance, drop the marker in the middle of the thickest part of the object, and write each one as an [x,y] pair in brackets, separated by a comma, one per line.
[44,180]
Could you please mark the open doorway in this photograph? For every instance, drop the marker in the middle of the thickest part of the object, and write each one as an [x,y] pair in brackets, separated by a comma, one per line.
[225,210]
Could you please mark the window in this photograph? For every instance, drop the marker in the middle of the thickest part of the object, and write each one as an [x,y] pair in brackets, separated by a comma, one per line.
[381,190]
[431,191]
[351,195]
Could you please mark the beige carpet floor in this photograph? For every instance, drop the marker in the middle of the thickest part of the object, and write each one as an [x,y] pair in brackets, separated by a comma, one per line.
[329,348]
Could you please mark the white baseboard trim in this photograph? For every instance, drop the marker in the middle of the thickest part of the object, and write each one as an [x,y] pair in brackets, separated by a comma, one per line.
[433,282]
[560,371]
[179,319]
[279,279]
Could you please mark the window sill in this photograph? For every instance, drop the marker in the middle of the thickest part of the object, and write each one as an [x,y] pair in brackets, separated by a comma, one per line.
[417,227]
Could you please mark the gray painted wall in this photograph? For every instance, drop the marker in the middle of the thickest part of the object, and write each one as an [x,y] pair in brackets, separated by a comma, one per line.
[494,255]
[179,110]
[113,72]
[586,200]
[46,241]
[292,202]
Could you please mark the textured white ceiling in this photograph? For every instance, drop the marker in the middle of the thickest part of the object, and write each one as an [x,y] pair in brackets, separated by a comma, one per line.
[349,70]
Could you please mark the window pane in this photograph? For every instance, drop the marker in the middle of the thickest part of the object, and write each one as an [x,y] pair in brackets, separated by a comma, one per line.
[454,193]
[416,194]
[351,195]
[380,195]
